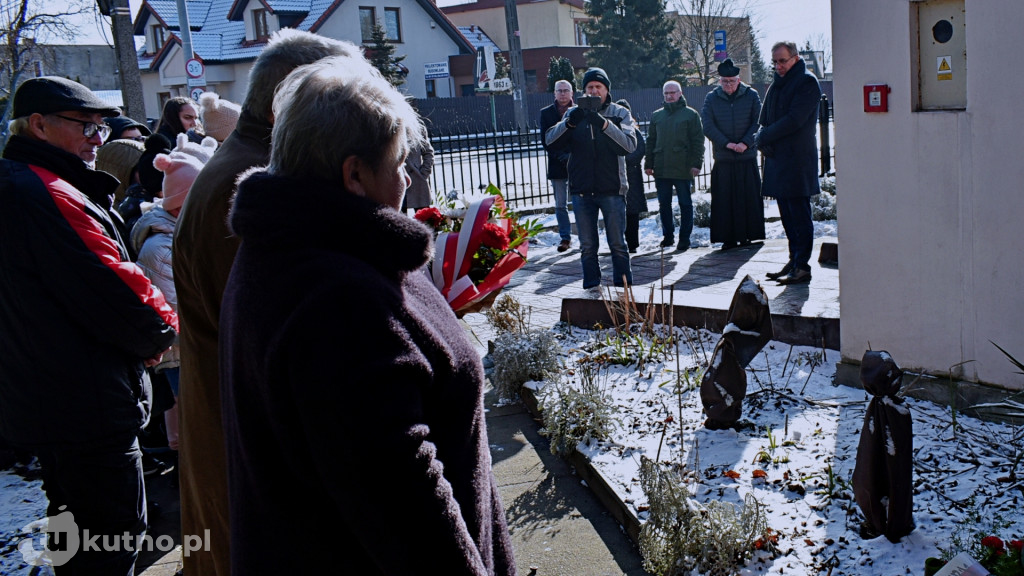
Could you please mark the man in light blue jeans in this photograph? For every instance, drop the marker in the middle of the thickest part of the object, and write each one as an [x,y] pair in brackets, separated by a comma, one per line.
[613,208]
[597,138]
[557,173]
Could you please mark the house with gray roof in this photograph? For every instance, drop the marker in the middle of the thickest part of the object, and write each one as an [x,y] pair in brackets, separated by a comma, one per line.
[228,35]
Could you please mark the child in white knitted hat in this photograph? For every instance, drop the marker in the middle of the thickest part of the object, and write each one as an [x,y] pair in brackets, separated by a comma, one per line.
[152,236]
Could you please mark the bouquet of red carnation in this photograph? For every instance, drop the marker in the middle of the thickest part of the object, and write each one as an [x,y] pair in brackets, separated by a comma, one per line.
[476,250]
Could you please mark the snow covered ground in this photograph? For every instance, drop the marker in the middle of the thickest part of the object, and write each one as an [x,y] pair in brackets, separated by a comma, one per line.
[797,455]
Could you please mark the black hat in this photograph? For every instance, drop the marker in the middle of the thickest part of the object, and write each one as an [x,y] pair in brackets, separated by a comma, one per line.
[118,124]
[596,75]
[49,94]
[727,69]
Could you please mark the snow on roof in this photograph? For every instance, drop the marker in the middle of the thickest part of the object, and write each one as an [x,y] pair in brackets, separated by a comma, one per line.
[216,37]
[198,10]
[477,37]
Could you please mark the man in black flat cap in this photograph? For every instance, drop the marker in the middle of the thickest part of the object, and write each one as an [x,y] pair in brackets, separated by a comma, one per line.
[78,323]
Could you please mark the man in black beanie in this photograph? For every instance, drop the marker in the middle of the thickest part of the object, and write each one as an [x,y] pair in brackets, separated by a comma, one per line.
[597,134]
[78,323]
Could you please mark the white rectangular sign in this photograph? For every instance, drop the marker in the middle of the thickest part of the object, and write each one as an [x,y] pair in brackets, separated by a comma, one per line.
[435,70]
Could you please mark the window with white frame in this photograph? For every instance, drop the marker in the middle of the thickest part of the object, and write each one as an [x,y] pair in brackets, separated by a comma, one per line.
[261,30]
[157,32]
[581,33]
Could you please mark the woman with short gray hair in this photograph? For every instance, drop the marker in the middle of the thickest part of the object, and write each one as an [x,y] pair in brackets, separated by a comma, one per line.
[346,378]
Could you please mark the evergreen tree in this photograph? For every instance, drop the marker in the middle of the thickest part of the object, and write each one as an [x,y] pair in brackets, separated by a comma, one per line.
[760,72]
[382,57]
[560,69]
[631,41]
[502,69]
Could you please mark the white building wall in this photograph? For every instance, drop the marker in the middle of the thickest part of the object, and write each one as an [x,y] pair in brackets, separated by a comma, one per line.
[229,81]
[421,44]
[931,210]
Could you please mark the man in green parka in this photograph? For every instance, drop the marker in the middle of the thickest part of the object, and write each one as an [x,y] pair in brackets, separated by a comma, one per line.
[675,153]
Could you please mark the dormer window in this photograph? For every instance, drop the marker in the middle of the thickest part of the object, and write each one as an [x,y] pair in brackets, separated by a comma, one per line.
[259,24]
[157,32]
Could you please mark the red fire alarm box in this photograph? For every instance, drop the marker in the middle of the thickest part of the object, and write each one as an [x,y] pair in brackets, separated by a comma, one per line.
[876,98]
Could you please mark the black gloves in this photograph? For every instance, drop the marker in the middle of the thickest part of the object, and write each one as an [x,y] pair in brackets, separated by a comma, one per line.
[576,115]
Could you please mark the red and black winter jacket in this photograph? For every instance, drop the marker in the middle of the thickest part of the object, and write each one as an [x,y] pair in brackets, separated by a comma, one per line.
[77,317]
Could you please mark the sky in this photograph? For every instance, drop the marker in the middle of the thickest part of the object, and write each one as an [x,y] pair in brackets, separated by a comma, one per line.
[773,20]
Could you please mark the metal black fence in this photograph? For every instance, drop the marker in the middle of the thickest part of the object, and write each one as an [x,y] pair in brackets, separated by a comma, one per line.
[470,152]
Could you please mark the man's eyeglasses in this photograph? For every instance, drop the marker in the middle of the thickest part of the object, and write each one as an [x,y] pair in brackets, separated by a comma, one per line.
[89,129]
[563,90]
[783,61]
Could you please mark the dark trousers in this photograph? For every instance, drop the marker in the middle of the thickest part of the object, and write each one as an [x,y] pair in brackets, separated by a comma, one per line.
[796,221]
[632,230]
[664,186]
[101,484]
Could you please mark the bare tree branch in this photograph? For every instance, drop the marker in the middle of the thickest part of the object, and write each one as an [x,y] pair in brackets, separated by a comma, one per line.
[23,23]
[696,24]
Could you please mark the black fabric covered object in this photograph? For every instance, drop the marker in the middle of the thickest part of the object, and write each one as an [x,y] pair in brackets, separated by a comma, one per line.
[883,478]
[749,328]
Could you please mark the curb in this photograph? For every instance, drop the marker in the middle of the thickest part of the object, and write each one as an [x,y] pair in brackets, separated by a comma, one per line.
[618,509]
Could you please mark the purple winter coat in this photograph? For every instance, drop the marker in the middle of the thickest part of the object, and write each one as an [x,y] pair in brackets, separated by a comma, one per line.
[352,398]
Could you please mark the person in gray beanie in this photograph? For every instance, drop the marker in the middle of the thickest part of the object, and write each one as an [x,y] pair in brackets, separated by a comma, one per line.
[597,134]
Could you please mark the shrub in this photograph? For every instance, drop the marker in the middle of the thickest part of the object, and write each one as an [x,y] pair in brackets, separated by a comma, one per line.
[702,213]
[521,357]
[823,207]
[573,415]
[507,315]
[681,535]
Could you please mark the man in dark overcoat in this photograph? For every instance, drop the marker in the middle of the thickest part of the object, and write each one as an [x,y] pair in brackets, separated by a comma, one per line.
[204,251]
[786,139]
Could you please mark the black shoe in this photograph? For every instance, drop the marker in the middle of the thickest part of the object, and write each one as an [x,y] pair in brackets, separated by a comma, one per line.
[798,276]
[151,465]
[563,245]
[776,275]
[682,247]
[728,246]
[667,242]
[632,250]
